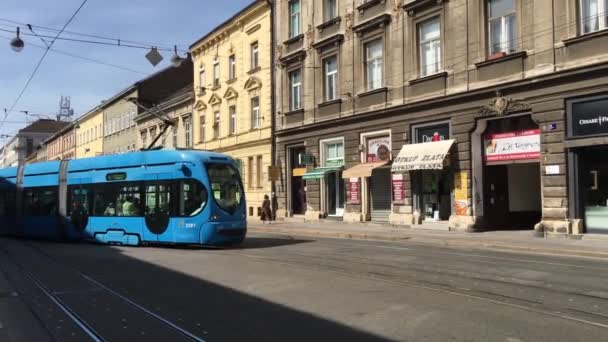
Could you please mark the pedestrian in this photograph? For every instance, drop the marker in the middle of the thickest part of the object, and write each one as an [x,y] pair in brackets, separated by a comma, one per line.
[266,211]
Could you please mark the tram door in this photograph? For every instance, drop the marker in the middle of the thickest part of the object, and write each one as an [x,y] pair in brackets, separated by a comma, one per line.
[157,211]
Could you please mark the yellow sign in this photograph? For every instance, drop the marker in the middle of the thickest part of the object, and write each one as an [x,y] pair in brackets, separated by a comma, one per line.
[274,173]
[461,196]
[298,171]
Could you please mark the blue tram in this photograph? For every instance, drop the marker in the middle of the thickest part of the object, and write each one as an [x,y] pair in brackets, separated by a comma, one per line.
[164,196]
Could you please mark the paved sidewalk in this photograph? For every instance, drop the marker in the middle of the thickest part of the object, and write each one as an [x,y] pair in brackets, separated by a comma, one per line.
[522,241]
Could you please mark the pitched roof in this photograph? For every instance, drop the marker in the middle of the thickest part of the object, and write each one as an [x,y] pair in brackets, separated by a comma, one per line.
[44,126]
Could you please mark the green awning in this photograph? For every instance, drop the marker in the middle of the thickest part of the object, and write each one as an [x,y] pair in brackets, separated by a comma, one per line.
[320,172]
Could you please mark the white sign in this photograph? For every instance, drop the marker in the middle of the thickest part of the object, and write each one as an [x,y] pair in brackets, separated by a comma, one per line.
[552,170]
[379,149]
[518,145]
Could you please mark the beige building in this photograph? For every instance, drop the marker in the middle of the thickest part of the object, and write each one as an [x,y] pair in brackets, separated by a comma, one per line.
[119,131]
[232,110]
[89,134]
[467,115]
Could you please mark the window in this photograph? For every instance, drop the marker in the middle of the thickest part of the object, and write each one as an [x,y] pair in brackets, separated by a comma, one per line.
[334,151]
[116,199]
[430,46]
[29,146]
[295,85]
[192,199]
[152,134]
[501,26]
[216,74]
[331,9]
[259,171]
[232,125]
[203,128]
[255,112]
[144,139]
[40,201]
[330,69]
[294,18]
[216,125]
[254,56]
[374,64]
[250,172]
[594,15]
[188,131]
[232,65]
[225,186]
[175,136]
[158,199]
[202,81]
[163,137]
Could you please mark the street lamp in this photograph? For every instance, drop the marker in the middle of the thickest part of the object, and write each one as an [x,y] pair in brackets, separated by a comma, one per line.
[176,60]
[17,43]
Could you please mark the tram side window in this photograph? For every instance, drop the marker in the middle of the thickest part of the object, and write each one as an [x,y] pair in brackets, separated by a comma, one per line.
[192,199]
[158,199]
[40,201]
[79,199]
[117,200]
[10,204]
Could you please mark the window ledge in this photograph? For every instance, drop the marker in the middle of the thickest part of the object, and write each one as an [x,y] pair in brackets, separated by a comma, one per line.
[369,4]
[585,37]
[294,39]
[329,103]
[520,54]
[373,91]
[441,74]
[293,112]
[334,21]
[254,70]
[216,87]
[231,81]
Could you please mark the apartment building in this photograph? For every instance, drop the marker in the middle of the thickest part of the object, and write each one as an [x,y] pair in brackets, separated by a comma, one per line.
[478,114]
[232,110]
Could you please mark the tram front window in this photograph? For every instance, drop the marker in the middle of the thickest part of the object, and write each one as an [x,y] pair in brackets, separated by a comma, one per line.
[193,197]
[225,186]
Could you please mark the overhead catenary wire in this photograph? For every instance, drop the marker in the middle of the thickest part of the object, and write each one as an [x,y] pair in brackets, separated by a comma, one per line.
[27,83]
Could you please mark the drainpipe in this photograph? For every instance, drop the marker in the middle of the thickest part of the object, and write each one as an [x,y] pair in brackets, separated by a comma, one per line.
[273,149]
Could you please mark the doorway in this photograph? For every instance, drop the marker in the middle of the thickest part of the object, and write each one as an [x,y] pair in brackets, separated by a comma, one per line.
[593,185]
[297,188]
[380,194]
[335,194]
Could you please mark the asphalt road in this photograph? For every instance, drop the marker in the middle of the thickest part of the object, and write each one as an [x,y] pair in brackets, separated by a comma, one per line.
[281,289]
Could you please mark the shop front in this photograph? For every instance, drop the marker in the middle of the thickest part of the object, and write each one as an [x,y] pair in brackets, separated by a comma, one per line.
[428,164]
[368,184]
[296,156]
[587,144]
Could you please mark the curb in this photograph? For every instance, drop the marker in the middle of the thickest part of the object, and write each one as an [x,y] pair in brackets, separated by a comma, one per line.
[492,245]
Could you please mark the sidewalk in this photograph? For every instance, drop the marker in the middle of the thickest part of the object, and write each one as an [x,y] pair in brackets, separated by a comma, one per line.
[521,241]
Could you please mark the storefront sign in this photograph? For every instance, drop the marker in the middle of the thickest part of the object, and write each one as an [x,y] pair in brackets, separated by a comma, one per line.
[432,133]
[379,149]
[552,170]
[298,172]
[307,159]
[334,162]
[519,145]
[352,191]
[398,189]
[461,195]
[274,173]
[589,118]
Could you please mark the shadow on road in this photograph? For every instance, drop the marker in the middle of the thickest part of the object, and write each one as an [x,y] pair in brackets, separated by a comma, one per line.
[269,242]
[207,309]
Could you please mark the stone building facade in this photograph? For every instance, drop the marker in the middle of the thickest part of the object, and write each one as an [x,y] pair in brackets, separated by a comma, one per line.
[478,114]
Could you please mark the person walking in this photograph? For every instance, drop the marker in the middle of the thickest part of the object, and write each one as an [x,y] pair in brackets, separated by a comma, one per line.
[266,210]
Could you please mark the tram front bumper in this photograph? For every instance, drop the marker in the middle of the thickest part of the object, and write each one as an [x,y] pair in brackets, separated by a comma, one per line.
[227,231]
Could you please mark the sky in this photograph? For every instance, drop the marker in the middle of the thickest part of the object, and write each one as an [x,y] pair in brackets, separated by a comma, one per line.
[158,22]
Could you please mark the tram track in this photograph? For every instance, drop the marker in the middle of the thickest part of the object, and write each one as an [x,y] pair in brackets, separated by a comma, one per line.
[89,322]
[433,282]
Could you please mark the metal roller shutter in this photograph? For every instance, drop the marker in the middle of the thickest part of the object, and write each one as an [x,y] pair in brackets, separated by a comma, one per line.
[380,189]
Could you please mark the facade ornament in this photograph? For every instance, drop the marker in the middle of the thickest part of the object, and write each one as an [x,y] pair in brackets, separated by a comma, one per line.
[396,7]
[349,19]
[501,105]
[310,35]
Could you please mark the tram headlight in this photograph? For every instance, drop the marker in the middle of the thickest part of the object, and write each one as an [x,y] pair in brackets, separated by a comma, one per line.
[214,218]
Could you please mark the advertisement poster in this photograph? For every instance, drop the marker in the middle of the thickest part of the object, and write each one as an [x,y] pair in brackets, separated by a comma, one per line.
[379,149]
[352,191]
[461,180]
[519,145]
[398,189]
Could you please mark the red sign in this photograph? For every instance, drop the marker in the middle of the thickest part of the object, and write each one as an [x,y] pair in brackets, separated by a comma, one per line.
[518,145]
[398,189]
[352,191]
[378,149]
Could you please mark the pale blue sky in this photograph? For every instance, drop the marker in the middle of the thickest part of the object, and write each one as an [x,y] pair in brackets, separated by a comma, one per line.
[163,22]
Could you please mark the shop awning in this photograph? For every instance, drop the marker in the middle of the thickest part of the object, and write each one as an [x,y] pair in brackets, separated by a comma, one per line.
[320,172]
[362,170]
[424,156]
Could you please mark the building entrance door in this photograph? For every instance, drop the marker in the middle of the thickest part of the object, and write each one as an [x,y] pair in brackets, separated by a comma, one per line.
[335,194]
[594,186]
[380,194]
[496,196]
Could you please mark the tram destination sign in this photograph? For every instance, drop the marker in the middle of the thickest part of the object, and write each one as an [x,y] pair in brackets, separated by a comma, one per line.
[589,118]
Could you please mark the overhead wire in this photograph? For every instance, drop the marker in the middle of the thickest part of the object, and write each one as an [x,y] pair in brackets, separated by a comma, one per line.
[40,63]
